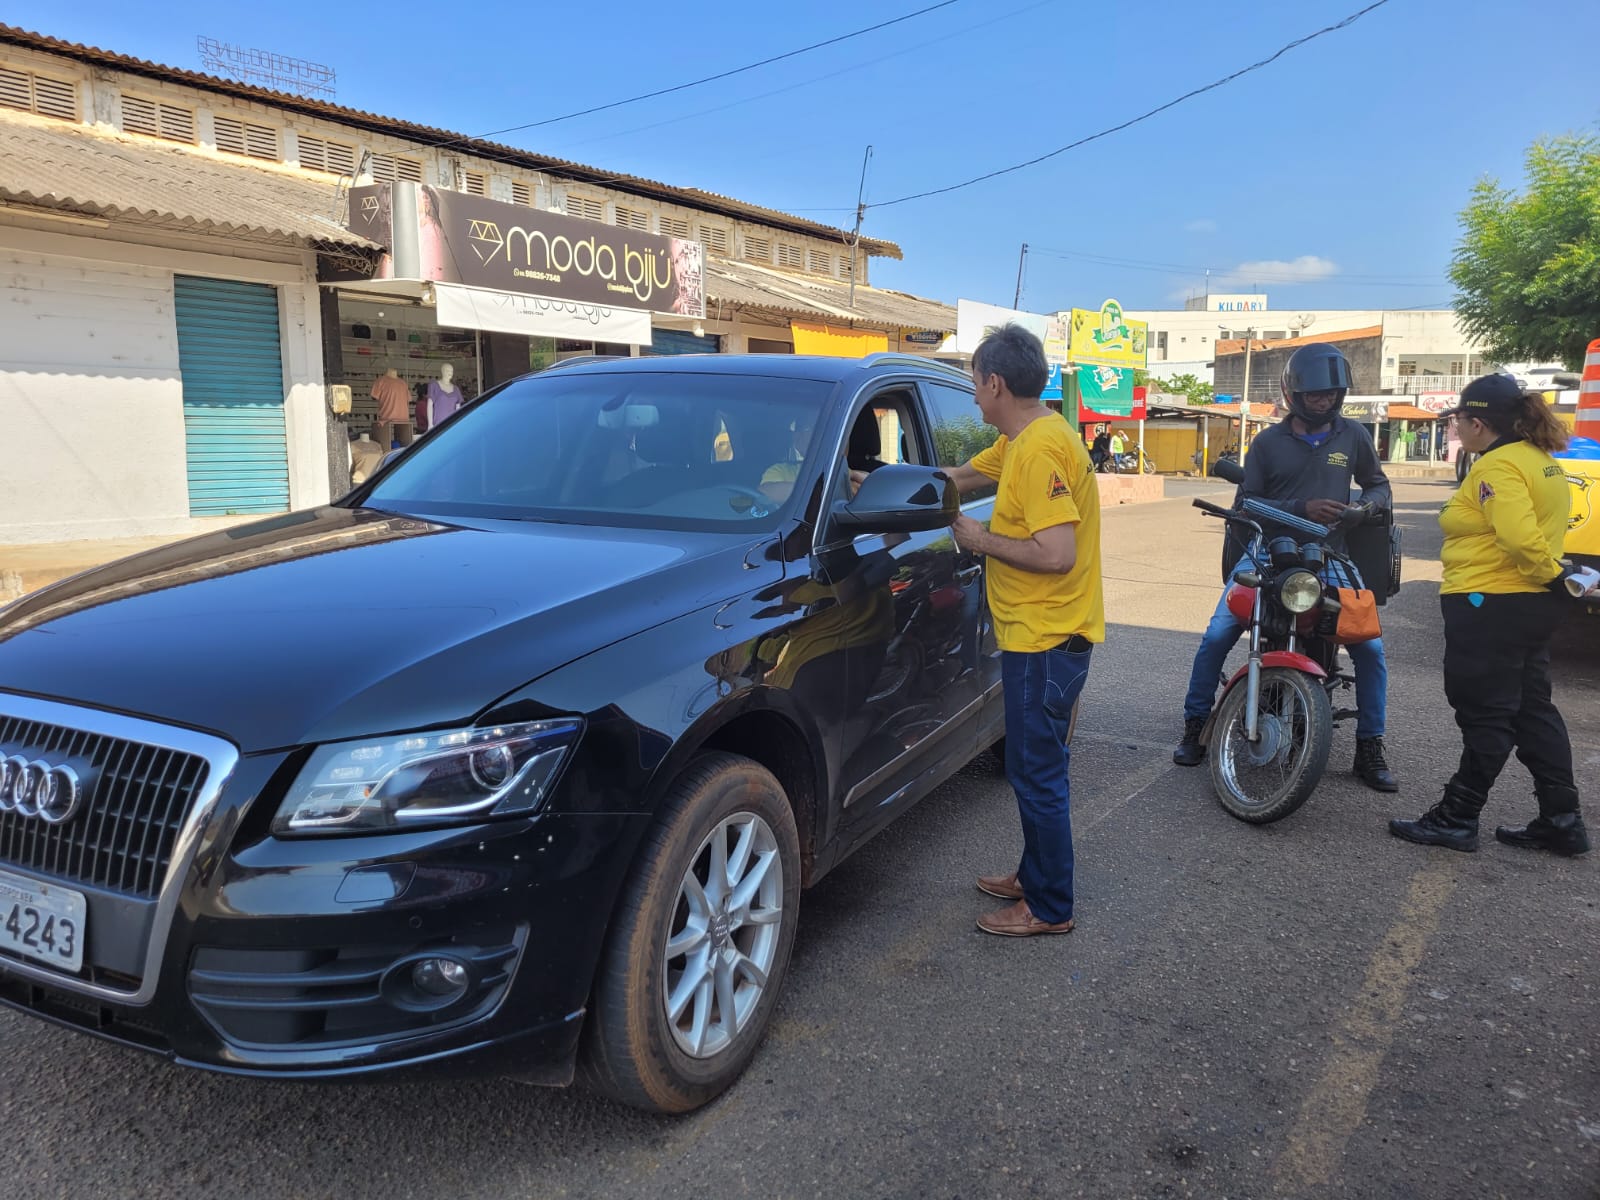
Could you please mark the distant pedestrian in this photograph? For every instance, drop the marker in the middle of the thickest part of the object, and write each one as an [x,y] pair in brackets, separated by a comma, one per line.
[1502,599]
[1043,565]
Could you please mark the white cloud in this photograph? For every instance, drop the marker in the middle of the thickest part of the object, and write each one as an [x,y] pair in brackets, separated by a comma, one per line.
[1308,268]
[1201,225]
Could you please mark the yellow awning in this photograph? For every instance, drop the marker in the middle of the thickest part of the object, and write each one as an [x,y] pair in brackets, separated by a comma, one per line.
[812,337]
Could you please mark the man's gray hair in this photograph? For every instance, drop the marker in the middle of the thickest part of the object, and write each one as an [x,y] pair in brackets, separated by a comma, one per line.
[1015,355]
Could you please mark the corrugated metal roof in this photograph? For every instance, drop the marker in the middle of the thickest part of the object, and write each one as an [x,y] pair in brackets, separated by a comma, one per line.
[427,136]
[54,165]
[810,296]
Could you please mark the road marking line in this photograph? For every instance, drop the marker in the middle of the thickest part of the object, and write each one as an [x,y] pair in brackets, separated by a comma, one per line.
[1335,1107]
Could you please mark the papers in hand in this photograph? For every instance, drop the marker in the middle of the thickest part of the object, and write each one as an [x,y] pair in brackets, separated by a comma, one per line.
[1583,582]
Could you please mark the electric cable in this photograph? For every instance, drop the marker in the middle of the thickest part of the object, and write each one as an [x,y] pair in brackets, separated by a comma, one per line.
[1226,79]
[694,83]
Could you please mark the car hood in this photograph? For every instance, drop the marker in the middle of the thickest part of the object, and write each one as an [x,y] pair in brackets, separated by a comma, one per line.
[337,623]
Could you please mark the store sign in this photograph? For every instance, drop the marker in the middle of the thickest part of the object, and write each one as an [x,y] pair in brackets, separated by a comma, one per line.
[1106,391]
[1238,303]
[451,237]
[1108,337]
[1437,402]
[1365,410]
[539,316]
[923,337]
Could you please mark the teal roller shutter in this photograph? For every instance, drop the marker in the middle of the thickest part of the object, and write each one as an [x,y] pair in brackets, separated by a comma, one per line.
[678,341]
[232,368]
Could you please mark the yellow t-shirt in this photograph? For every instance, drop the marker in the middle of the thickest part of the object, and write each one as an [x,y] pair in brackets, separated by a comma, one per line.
[1504,527]
[1046,479]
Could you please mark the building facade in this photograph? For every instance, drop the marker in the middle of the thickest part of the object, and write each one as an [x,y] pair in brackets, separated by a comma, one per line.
[185,284]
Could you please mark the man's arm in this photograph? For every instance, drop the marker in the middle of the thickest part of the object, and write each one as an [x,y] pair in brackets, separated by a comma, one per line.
[1052,551]
[967,478]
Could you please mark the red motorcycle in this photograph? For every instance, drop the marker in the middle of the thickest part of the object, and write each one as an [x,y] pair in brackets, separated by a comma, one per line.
[1269,736]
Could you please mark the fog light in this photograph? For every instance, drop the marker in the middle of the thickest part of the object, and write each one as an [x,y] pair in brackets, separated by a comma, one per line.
[441,977]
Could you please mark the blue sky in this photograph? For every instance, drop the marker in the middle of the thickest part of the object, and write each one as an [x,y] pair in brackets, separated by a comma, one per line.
[1338,171]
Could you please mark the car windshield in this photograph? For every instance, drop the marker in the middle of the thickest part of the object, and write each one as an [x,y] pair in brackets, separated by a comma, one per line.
[663,449]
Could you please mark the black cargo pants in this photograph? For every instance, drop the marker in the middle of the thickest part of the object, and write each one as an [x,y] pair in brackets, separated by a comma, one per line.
[1497,679]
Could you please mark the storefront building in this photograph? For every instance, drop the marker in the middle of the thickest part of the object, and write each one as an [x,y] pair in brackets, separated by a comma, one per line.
[199,282]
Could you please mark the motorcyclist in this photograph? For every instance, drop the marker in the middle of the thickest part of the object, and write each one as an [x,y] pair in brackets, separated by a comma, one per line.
[1305,465]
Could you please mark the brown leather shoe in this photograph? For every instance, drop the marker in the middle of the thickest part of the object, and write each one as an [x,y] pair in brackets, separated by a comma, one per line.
[1018,921]
[1003,887]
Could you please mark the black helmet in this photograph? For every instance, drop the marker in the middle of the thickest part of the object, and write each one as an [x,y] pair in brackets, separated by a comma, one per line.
[1318,367]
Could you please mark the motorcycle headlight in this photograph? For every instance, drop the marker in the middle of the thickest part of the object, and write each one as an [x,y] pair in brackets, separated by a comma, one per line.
[422,779]
[1299,591]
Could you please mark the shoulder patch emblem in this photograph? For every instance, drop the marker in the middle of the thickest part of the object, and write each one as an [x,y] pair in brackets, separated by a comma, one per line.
[1058,489]
[1485,492]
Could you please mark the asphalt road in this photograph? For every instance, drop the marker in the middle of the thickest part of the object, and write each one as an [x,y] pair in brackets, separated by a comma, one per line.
[1307,1009]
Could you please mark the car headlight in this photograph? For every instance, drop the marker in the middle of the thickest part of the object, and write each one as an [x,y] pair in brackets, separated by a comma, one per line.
[419,779]
[1300,591]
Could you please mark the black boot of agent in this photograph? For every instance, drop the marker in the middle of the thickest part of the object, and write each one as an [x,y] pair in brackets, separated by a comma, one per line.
[1190,753]
[1558,828]
[1372,767]
[1451,823]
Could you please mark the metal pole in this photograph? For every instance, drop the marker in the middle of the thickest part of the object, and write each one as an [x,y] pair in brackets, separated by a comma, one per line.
[1244,397]
[855,238]
[1205,445]
[1016,301]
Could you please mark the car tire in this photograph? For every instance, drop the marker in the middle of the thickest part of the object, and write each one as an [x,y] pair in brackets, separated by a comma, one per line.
[637,1051]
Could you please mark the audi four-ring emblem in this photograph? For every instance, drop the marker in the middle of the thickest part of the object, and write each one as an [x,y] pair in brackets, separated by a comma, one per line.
[49,791]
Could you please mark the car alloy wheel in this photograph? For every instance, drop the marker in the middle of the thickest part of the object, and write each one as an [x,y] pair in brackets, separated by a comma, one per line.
[724,936]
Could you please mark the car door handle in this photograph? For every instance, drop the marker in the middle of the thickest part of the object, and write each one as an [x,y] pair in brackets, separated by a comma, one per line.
[969,574]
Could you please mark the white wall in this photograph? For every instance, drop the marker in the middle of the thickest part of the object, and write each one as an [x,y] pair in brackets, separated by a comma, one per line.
[91,403]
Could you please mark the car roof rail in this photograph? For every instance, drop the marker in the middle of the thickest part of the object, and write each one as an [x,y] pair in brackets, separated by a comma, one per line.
[890,358]
[580,359]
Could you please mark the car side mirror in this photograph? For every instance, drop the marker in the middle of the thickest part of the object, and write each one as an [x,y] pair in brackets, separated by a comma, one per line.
[900,498]
[1228,469]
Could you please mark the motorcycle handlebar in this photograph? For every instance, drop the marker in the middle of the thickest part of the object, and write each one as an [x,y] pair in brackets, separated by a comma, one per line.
[1216,510]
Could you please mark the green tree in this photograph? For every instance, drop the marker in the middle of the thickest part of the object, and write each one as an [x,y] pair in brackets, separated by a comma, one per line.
[1190,387]
[1527,266]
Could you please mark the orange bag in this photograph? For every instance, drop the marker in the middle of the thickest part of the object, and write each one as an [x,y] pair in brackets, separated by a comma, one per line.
[1358,616]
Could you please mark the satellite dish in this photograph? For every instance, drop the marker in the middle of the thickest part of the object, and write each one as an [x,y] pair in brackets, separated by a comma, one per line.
[1302,322]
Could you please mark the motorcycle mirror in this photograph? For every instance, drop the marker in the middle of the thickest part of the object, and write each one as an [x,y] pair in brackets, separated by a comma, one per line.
[1227,469]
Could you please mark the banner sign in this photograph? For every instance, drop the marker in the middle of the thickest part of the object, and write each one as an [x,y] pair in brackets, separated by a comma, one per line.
[975,321]
[1365,410]
[1108,337]
[1106,391]
[451,237]
[1436,402]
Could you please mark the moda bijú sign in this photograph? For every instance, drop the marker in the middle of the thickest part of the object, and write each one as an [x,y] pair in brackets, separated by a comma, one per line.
[432,234]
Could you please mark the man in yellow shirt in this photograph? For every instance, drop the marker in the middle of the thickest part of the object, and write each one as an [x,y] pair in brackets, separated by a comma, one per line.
[1043,564]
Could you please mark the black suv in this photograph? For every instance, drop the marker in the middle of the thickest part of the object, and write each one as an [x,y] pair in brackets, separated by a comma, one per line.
[516,759]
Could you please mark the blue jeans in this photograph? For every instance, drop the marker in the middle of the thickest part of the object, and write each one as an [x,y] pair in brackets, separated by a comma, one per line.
[1372,672]
[1040,691]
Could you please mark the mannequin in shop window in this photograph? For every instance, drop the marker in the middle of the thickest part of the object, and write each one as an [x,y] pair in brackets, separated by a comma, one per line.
[393,423]
[442,399]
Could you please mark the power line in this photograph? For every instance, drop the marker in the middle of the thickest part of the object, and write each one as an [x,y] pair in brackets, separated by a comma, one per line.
[1283,278]
[681,87]
[1226,79]
[860,66]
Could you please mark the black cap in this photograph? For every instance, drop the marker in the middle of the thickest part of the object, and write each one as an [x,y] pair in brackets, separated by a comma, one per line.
[1488,396]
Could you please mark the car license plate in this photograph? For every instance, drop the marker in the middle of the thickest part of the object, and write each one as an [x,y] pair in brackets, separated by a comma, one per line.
[42,921]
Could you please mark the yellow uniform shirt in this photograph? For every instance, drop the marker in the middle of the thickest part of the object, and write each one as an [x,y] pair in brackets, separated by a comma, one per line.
[1046,479]
[1504,527]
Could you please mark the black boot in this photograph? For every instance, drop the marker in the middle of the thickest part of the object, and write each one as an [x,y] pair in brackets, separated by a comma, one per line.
[1451,823]
[1190,753]
[1558,828]
[1372,767]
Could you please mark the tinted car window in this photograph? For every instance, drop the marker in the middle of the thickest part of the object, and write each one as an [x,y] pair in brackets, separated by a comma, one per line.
[667,450]
[958,430]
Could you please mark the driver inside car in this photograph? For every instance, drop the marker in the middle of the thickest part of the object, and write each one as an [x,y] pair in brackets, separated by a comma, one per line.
[778,480]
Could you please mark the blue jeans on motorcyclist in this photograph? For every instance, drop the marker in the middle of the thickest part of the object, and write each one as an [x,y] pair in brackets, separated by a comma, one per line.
[1040,691]
[1224,631]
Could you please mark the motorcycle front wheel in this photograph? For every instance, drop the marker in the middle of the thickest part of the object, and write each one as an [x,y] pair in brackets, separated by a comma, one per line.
[1266,780]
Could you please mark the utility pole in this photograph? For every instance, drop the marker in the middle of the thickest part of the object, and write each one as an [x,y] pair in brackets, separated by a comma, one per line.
[1244,396]
[1022,259]
[855,238]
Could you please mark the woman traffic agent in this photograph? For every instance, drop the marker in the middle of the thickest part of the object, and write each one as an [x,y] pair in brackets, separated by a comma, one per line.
[1502,599]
